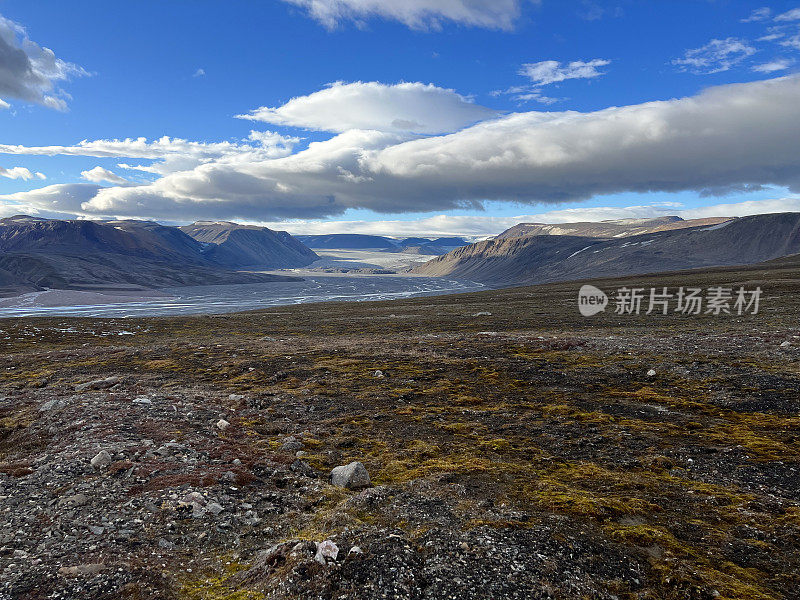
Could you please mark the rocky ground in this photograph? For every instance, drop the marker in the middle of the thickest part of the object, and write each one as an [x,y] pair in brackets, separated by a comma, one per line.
[515,450]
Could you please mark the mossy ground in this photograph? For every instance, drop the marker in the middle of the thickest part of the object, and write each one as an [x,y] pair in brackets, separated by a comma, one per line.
[695,471]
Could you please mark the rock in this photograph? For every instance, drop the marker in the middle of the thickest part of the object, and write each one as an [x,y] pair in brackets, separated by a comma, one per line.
[76,500]
[88,569]
[300,453]
[482,314]
[379,374]
[222,424]
[96,530]
[98,384]
[194,497]
[301,467]
[235,397]
[214,508]
[326,550]
[353,476]
[144,400]
[292,446]
[356,550]
[102,460]
[785,344]
[651,373]
[54,404]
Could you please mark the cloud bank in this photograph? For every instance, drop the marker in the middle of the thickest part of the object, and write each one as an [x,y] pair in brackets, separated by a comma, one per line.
[28,71]
[729,137]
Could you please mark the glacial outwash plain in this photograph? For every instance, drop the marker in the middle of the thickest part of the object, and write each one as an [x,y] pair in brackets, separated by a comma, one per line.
[515,449]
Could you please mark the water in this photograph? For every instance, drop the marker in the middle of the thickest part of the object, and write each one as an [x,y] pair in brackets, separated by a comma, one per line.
[215,299]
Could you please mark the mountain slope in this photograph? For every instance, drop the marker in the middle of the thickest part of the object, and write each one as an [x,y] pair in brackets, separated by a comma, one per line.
[242,246]
[609,229]
[39,253]
[347,241]
[544,258]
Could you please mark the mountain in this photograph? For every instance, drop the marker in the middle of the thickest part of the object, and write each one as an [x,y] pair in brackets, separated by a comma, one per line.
[246,246]
[608,229]
[50,253]
[547,258]
[347,241]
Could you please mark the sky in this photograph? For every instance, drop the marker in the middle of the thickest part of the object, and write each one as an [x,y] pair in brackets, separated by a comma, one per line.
[411,117]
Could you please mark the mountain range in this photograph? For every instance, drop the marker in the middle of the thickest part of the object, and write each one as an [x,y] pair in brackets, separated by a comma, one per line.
[133,255]
[615,249]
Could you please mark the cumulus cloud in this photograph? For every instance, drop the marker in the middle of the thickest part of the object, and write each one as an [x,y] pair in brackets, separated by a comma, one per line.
[725,137]
[416,14]
[20,173]
[28,71]
[199,73]
[552,71]
[173,154]
[98,175]
[403,107]
[715,57]
[62,198]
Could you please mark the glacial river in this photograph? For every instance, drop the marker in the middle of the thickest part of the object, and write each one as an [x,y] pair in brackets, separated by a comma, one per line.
[216,299]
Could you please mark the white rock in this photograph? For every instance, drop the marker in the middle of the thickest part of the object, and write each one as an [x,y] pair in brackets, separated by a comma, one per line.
[651,373]
[214,508]
[353,476]
[379,374]
[786,344]
[235,397]
[356,550]
[142,400]
[102,460]
[222,424]
[482,314]
[326,550]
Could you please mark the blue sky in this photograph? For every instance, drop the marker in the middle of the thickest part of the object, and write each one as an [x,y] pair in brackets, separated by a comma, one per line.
[186,70]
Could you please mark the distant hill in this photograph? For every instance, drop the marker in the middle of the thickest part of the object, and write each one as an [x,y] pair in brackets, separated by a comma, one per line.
[245,246]
[546,258]
[347,241]
[608,229]
[50,253]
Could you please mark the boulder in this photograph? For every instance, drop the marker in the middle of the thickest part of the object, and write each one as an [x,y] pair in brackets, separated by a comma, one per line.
[102,460]
[353,476]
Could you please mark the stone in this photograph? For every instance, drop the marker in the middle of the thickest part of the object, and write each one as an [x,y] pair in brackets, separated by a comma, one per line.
[651,373]
[356,550]
[88,569]
[214,508]
[482,314]
[785,344]
[326,550]
[102,460]
[353,476]
[222,424]
[292,446]
[379,374]
[235,397]
[144,400]
[98,384]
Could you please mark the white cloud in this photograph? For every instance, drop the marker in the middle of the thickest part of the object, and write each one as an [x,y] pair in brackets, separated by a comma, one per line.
[759,14]
[28,71]
[478,226]
[403,107]
[98,175]
[790,15]
[552,71]
[715,57]
[199,73]
[779,64]
[62,198]
[19,173]
[4,104]
[173,154]
[729,137]
[417,14]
